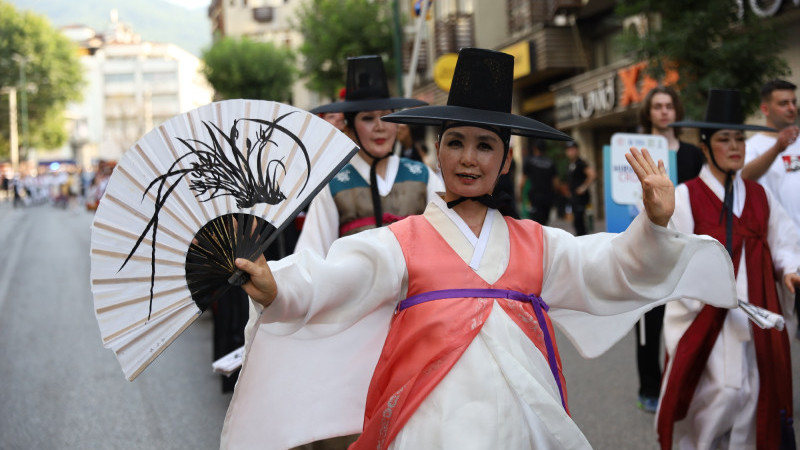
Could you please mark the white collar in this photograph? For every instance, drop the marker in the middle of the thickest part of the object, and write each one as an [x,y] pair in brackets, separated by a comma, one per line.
[719,190]
[478,242]
[384,184]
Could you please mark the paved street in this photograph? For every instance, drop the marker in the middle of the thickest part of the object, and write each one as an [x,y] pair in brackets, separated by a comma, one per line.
[61,389]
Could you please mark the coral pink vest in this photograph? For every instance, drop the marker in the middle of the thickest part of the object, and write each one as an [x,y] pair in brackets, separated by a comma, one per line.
[447,305]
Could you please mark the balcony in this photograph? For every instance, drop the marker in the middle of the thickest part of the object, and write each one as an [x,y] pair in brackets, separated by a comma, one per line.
[557,6]
[454,32]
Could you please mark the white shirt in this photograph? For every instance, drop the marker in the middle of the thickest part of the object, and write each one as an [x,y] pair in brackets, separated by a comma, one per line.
[782,178]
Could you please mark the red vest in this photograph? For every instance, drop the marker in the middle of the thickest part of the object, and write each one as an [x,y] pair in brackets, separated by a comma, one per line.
[424,341]
[772,346]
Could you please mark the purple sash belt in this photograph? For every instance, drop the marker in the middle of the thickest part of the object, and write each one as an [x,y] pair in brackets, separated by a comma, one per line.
[539,308]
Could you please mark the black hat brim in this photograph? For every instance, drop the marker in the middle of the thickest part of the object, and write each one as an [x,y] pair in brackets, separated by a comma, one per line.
[370,104]
[515,124]
[719,126]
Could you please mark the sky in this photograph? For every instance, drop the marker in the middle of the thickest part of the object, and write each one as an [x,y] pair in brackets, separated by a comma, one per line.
[192,4]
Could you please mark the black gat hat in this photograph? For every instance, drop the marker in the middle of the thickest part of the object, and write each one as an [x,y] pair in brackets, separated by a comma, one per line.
[366,89]
[480,94]
[723,112]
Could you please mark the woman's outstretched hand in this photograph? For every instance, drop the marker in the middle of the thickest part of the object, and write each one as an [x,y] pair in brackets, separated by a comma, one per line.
[658,192]
[261,287]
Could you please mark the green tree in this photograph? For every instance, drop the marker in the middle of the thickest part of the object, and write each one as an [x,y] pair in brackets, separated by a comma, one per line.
[336,29]
[243,68]
[712,44]
[32,49]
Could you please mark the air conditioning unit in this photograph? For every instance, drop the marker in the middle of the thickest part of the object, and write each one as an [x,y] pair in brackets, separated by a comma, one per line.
[638,24]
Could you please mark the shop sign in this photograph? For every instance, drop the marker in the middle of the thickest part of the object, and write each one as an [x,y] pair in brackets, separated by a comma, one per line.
[762,8]
[599,99]
[524,60]
[443,70]
[634,91]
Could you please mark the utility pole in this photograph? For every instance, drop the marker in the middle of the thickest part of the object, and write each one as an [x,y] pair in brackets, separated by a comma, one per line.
[13,139]
[397,40]
[23,101]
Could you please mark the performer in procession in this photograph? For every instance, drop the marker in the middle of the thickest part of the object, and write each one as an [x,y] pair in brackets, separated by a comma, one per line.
[377,187]
[460,351]
[728,384]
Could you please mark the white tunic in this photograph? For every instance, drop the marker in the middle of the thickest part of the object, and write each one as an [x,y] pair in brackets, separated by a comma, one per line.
[726,395]
[301,382]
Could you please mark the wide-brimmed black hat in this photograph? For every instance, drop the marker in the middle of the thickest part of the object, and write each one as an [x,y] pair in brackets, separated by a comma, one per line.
[480,94]
[723,112]
[366,89]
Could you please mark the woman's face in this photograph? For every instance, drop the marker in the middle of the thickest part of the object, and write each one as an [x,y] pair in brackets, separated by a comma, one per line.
[470,159]
[662,111]
[728,149]
[376,136]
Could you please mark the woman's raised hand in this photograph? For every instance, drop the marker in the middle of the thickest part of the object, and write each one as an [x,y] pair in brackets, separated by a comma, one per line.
[658,192]
[261,287]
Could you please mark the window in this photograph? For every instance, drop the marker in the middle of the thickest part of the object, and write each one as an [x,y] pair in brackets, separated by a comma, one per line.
[520,15]
[114,78]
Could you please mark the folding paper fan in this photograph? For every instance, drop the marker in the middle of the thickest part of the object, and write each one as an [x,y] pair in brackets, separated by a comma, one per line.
[200,190]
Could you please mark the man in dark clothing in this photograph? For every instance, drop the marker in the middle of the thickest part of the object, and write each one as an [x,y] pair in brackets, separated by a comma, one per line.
[540,171]
[579,177]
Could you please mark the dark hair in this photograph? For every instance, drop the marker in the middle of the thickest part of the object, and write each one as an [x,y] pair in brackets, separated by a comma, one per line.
[775,85]
[538,144]
[350,119]
[644,112]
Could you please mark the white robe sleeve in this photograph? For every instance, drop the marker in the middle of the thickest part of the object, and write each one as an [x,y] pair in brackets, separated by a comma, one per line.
[626,275]
[435,185]
[782,239]
[361,273]
[321,226]
[305,378]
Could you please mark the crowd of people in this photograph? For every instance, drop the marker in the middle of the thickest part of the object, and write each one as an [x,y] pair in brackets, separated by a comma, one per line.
[59,184]
[421,308]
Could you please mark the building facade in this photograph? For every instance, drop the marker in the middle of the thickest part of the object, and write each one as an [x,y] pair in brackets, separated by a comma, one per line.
[263,21]
[568,71]
[132,86]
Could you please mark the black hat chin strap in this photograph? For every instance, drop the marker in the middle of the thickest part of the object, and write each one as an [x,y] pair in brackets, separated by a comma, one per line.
[727,200]
[489,200]
[727,210]
[377,207]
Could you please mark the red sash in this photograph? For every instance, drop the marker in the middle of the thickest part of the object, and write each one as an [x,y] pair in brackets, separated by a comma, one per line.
[772,347]
[365,222]
[426,340]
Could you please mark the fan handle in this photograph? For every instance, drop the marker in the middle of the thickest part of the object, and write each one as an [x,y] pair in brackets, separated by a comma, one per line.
[238,278]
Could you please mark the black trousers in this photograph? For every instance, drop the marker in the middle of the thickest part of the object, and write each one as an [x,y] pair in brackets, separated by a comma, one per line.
[230,317]
[648,356]
[540,208]
[579,217]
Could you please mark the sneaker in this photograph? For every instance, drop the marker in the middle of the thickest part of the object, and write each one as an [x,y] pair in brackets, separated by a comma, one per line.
[647,404]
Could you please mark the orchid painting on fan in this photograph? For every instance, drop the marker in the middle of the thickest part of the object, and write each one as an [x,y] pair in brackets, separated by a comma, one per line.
[246,175]
[205,187]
